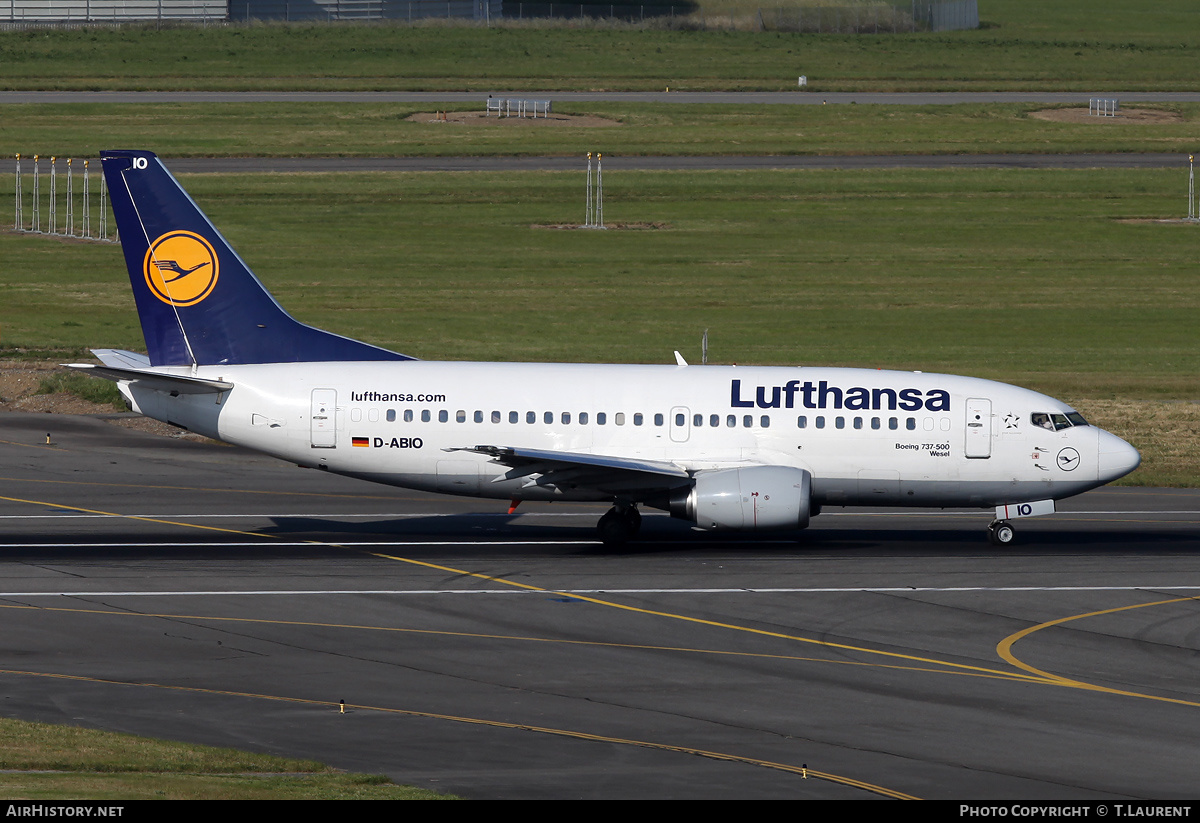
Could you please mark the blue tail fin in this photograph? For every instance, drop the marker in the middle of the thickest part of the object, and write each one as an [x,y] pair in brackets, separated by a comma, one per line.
[198,302]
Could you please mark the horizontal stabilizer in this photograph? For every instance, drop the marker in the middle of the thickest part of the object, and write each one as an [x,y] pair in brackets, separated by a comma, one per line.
[170,383]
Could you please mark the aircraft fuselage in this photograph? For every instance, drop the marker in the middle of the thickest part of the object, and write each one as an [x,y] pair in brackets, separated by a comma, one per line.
[867,437]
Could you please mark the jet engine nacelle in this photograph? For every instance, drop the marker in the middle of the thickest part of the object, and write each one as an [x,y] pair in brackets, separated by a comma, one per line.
[752,498]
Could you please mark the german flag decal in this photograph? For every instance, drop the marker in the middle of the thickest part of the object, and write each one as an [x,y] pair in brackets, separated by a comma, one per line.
[361,442]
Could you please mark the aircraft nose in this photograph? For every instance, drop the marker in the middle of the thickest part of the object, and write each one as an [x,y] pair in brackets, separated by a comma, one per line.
[1115,457]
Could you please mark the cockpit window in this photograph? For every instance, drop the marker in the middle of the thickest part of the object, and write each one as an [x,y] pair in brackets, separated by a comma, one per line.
[1057,422]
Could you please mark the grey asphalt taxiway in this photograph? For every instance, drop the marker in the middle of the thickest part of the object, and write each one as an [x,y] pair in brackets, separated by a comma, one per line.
[199,592]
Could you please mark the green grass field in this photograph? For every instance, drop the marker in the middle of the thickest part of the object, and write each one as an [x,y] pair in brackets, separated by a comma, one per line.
[966,267]
[373,130]
[1082,45]
[39,761]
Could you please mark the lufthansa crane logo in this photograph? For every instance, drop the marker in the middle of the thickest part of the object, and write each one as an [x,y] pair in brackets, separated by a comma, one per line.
[1068,459]
[181,268]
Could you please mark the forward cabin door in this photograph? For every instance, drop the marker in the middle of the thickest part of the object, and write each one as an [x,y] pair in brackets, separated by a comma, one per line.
[324,418]
[979,427]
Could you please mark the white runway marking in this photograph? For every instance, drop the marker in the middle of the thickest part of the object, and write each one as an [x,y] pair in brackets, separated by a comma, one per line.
[424,592]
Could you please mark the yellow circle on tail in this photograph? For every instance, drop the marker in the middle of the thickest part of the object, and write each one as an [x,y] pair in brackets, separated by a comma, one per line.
[181,268]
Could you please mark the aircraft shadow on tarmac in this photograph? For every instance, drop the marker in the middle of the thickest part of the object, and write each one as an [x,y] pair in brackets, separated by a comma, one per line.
[496,535]
[659,535]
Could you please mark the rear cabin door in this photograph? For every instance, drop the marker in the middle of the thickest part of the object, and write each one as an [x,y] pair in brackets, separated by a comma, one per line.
[324,418]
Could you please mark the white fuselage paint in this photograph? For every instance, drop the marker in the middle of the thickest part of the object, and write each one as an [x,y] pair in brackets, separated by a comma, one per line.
[856,454]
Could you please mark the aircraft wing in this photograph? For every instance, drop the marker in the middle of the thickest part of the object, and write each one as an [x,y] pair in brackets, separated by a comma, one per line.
[544,467]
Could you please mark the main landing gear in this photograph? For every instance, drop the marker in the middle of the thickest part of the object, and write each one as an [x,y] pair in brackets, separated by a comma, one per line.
[620,524]
[1001,533]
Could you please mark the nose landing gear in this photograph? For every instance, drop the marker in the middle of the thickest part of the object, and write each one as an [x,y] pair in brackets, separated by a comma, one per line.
[1001,533]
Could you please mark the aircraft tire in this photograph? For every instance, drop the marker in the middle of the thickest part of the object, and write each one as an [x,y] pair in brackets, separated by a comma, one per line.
[1001,533]
[633,518]
[615,528]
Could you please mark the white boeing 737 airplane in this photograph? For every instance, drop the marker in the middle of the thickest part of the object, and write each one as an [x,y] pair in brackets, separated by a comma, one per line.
[725,447]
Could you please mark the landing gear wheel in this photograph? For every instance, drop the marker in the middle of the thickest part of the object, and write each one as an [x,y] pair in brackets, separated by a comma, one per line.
[633,518]
[619,525]
[1001,533]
